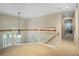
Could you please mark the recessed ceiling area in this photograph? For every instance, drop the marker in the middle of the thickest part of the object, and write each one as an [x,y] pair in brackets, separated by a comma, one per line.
[29,10]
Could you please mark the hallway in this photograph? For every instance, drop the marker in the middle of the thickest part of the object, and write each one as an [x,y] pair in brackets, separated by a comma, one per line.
[39,29]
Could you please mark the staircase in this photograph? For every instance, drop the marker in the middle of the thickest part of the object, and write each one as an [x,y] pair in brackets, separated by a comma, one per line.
[52,40]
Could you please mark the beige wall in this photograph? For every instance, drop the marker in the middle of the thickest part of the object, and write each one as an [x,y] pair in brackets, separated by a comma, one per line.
[76,39]
[10,22]
[43,21]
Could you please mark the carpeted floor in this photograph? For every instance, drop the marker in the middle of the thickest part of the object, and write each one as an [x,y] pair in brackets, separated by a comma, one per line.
[65,49]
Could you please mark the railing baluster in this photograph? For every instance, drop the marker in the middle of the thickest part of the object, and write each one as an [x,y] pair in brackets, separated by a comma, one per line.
[50,39]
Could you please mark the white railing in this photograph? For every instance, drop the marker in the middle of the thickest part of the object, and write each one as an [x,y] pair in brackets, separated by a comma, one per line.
[52,39]
[10,37]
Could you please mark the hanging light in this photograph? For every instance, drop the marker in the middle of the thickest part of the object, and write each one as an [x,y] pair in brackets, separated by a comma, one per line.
[19,23]
[19,34]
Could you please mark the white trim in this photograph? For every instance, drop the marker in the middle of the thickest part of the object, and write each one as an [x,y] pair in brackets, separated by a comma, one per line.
[36,43]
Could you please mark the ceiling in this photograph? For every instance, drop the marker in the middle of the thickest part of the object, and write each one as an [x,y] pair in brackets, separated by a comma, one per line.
[29,10]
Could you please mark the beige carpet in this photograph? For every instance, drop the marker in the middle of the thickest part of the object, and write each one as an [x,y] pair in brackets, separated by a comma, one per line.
[66,49]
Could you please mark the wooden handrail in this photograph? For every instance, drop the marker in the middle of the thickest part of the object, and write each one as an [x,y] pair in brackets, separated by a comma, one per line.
[52,37]
[50,27]
[28,30]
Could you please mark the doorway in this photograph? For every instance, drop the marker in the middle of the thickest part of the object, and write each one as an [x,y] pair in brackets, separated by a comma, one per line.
[68,29]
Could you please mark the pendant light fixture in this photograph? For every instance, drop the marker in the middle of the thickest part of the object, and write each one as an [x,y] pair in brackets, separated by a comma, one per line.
[19,23]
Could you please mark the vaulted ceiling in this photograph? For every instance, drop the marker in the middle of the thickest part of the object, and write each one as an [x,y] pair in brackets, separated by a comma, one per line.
[29,10]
